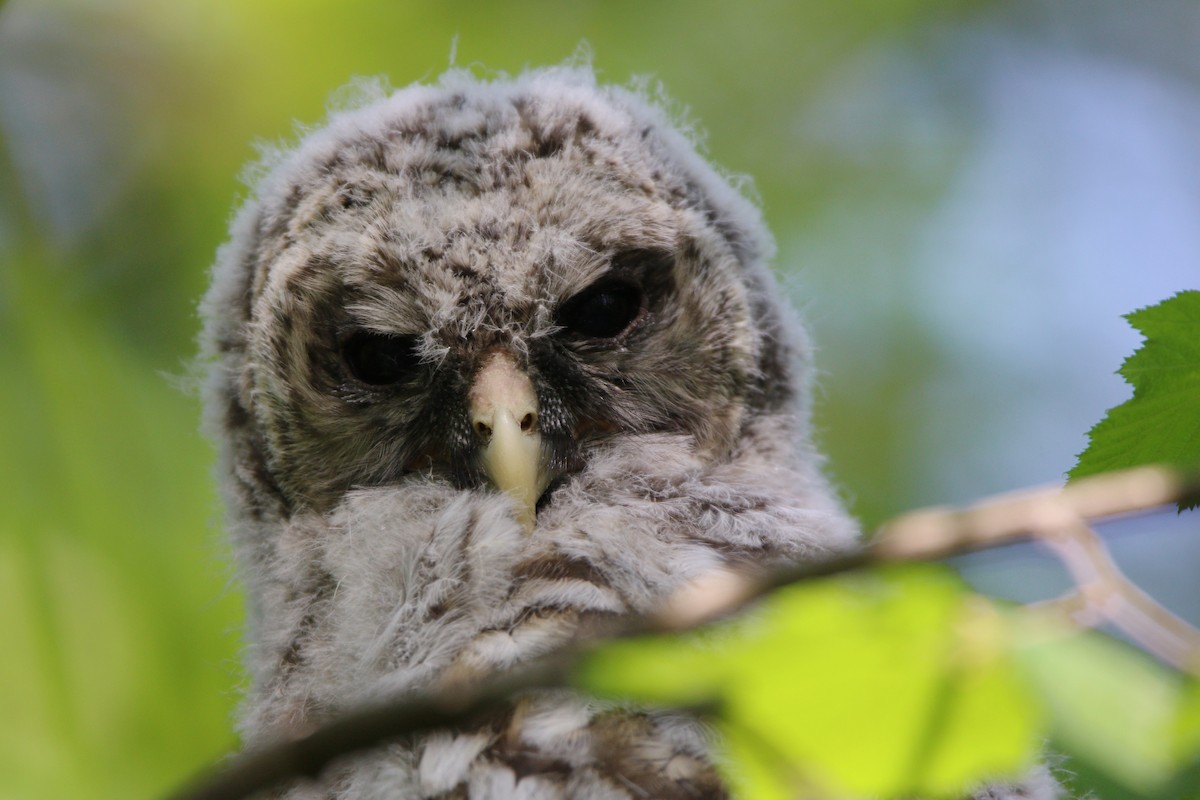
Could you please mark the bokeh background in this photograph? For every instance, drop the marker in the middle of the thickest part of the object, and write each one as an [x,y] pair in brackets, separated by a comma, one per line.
[967,196]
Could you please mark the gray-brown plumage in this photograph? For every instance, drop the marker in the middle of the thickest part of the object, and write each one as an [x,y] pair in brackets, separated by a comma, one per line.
[491,361]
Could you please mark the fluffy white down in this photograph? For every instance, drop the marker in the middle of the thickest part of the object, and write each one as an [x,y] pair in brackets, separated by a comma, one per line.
[396,555]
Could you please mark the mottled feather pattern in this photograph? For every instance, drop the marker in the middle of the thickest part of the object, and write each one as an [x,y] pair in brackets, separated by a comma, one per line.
[465,218]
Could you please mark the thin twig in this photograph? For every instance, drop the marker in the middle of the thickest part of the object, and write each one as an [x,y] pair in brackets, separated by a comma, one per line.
[938,532]
[1109,594]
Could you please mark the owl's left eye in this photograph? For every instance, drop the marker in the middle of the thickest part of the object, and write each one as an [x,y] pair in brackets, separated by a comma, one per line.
[602,311]
[380,359]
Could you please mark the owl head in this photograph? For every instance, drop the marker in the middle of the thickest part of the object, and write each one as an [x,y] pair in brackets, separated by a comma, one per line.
[485,284]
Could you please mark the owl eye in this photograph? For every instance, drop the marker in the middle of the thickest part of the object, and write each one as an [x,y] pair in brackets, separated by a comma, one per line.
[380,359]
[602,311]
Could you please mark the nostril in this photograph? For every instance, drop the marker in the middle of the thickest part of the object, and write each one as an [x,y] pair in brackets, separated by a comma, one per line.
[528,422]
[483,429]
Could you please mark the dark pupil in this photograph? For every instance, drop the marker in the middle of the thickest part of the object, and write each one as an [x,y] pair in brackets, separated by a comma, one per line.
[602,312]
[379,359]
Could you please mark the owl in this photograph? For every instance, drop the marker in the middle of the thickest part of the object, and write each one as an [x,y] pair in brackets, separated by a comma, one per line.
[492,362]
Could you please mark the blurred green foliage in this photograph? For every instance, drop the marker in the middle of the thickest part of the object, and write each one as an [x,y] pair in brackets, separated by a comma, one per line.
[123,126]
[119,629]
[900,683]
[1122,717]
[895,683]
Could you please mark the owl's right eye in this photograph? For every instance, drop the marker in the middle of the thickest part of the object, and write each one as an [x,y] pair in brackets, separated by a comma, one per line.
[381,359]
[602,311]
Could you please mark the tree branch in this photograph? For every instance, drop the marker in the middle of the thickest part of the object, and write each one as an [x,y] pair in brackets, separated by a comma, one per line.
[1055,516]
[367,727]
[1106,593]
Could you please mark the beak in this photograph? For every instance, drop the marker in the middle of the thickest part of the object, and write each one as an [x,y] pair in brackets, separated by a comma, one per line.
[504,415]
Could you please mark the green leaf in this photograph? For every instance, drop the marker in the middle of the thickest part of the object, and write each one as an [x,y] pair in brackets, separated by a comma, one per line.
[1161,422]
[1185,733]
[1111,706]
[887,684]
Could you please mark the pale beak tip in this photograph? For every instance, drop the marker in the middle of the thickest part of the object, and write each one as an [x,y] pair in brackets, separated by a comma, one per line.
[504,410]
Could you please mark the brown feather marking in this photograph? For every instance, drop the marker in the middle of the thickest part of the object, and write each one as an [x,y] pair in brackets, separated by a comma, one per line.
[557,566]
[632,746]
